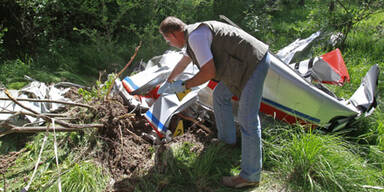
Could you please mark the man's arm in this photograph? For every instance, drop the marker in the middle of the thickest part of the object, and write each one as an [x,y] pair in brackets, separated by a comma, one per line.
[180,66]
[206,73]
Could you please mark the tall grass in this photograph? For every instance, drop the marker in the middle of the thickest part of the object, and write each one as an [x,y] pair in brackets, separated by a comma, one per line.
[76,175]
[83,177]
[315,162]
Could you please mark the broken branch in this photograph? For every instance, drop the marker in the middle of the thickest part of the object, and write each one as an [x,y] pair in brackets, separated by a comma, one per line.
[196,122]
[50,101]
[21,105]
[26,113]
[43,129]
[136,136]
[46,118]
[126,66]
[13,129]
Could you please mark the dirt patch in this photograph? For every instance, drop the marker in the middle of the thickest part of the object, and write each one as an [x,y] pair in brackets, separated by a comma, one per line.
[8,160]
[125,152]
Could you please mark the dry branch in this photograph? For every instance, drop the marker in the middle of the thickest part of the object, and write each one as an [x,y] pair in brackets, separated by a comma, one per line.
[196,122]
[137,137]
[31,114]
[46,118]
[21,105]
[50,101]
[124,116]
[14,129]
[126,66]
[43,129]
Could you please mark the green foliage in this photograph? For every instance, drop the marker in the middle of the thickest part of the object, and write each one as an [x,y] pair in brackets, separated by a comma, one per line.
[98,91]
[323,163]
[370,130]
[13,142]
[14,71]
[83,177]
[2,32]
[342,15]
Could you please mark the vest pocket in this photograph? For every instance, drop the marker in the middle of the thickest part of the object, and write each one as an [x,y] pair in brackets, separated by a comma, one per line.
[233,73]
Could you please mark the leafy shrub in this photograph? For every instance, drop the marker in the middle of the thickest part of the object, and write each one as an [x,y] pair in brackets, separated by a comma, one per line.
[14,70]
[99,91]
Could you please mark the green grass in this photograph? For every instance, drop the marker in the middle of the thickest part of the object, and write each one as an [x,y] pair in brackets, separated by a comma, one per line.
[309,161]
[324,163]
[77,173]
[188,170]
[83,177]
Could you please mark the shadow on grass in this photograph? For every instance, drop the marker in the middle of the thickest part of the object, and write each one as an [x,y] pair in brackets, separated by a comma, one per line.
[179,167]
[14,142]
[194,165]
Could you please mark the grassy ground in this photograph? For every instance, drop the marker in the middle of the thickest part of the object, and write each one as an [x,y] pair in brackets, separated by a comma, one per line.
[294,159]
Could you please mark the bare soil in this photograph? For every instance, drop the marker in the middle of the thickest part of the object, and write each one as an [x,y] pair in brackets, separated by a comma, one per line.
[127,154]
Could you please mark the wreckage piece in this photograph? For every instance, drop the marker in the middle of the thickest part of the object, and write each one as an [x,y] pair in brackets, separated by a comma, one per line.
[160,114]
[144,86]
[365,96]
[328,68]
[290,97]
[143,82]
[35,104]
[34,90]
[288,53]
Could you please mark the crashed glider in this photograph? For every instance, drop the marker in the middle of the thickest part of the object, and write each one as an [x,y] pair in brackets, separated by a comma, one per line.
[293,92]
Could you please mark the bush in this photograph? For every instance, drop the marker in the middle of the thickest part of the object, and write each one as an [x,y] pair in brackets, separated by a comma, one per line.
[14,71]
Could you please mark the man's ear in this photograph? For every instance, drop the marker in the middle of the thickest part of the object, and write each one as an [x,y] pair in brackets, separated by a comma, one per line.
[178,34]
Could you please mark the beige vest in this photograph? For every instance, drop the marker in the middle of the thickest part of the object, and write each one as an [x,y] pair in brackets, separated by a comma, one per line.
[235,53]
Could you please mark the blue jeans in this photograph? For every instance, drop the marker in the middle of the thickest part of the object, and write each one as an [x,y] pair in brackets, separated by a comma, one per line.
[248,117]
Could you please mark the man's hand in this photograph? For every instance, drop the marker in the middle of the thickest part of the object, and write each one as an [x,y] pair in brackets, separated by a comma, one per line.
[173,87]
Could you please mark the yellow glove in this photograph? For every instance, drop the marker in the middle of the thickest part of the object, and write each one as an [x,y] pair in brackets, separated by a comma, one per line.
[181,95]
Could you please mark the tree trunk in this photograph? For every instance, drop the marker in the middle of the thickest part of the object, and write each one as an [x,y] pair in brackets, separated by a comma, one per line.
[331,6]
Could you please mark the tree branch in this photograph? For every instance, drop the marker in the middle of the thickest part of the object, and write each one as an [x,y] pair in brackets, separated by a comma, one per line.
[43,129]
[46,118]
[26,113]
[126,66]
[15,101]
[342,5]
[50,101]
[196,122]
[13,129]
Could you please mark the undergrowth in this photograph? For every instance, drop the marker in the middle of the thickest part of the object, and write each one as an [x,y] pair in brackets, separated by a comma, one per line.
[316,162]
[78,172]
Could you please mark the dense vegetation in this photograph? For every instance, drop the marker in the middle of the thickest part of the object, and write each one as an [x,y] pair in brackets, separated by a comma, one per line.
[72,40]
